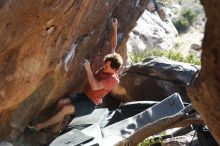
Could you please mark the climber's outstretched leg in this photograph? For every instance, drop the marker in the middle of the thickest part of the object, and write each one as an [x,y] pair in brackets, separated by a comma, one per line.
[62,102]
[58,117]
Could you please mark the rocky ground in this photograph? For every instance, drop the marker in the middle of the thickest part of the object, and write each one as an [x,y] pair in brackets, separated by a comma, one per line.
[189,139]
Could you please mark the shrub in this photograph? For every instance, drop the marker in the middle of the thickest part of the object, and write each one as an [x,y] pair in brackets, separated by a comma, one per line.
[186,19]
[181,25]
[171,54]
[189,15]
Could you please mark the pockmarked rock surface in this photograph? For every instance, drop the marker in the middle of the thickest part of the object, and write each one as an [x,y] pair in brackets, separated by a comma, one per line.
[154,79]
[43,44]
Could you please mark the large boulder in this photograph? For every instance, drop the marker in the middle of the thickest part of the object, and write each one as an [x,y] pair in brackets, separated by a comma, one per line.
[151,32]
[155,79]
[23,26]
[43,44]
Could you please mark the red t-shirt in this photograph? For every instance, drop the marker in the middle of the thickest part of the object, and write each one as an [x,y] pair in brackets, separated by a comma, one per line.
[109,81]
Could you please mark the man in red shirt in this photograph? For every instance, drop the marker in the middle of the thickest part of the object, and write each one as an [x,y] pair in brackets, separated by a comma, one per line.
[99,84]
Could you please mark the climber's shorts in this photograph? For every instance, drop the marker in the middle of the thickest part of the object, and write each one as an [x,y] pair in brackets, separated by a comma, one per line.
[83,105]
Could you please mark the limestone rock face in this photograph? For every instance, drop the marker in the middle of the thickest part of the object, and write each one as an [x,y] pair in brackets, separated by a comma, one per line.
[43,44]
[155,79]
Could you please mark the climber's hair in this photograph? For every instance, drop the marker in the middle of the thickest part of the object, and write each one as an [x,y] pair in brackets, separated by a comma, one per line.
[116,60]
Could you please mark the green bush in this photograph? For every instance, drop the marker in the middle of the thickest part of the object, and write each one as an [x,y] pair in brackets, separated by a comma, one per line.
[171,54]
[189,15]
[186,19]
[181,25]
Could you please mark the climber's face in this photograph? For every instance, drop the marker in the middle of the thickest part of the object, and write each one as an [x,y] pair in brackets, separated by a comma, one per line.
[107,68]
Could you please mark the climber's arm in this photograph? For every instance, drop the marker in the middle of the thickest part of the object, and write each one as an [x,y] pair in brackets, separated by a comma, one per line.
[95,85]
[114,35]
